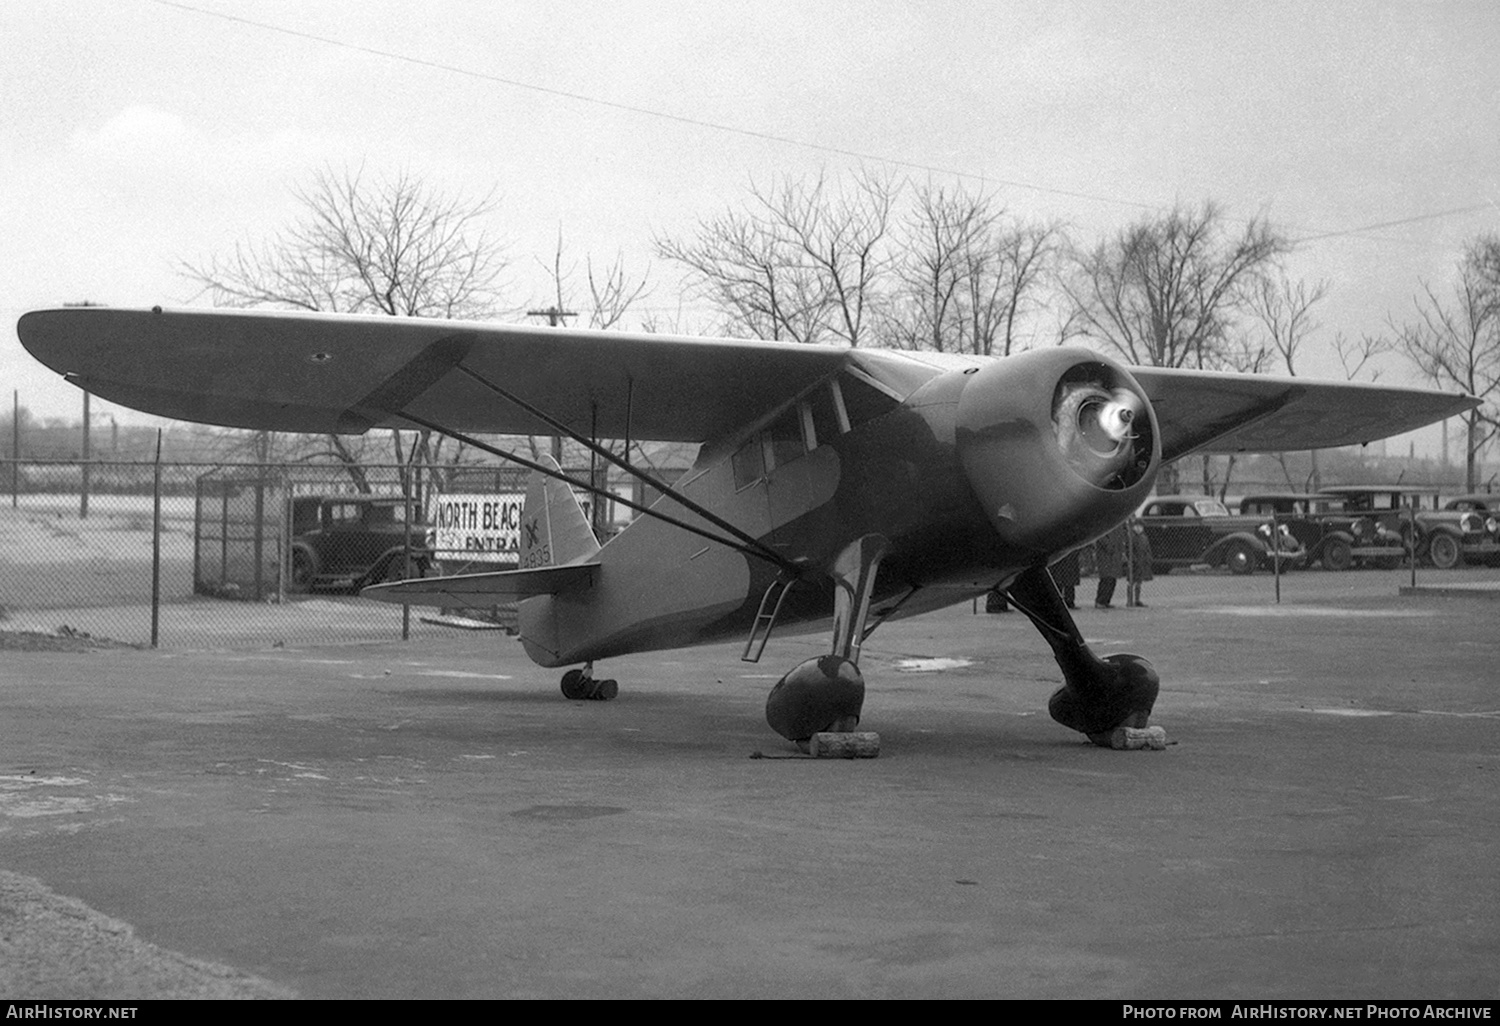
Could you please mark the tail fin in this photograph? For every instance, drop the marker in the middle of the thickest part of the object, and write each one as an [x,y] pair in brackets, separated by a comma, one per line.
[554,530]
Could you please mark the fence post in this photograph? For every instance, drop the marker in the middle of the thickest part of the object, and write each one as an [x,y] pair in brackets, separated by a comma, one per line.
[1411,541]
[1276,552]
[156,545]
[284,541]
[15,449]
[83,488]
[406,502]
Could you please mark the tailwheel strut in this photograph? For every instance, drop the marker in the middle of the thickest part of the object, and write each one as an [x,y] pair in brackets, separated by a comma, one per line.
[580,685]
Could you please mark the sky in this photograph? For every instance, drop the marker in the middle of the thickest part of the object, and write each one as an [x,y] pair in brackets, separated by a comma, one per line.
[136,135]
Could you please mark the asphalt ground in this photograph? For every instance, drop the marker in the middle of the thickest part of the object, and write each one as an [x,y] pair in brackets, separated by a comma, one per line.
[432,819]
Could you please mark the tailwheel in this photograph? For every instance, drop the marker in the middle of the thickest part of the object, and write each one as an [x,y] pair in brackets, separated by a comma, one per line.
[577,686]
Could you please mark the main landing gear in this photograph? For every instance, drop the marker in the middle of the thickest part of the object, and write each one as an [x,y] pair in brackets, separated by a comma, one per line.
[826,694]
[1101,698]
[579,685]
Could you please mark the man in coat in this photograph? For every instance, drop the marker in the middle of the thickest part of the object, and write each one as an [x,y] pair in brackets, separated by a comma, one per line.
[1109,558]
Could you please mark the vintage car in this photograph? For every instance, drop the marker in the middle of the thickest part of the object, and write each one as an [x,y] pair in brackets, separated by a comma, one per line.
[1187,530]
[1330,534]
[1444,538]
[349,541]
[1486,505]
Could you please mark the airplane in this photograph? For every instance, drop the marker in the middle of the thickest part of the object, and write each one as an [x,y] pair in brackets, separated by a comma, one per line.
[834,488]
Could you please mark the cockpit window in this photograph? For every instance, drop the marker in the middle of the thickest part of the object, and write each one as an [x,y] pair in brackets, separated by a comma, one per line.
[864,402]
[785,437]
[825,415]
[749,463]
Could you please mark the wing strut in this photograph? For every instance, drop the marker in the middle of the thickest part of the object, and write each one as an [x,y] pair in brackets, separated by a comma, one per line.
[748,540]
[758,551]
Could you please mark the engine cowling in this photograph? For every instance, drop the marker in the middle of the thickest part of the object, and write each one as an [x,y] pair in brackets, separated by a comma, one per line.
[1058,445]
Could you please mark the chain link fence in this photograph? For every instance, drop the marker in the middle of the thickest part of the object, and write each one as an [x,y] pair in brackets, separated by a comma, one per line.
[199,555]
[213,555]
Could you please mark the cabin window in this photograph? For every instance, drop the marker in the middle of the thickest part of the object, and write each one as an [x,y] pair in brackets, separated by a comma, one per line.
[863,402]
[340,514]
[784,438]
[825,416]
[749,463]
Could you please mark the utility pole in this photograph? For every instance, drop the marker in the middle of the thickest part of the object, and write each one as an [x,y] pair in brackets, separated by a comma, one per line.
[555,315]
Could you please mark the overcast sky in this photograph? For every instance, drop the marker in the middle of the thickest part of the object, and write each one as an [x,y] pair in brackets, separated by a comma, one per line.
[135,134]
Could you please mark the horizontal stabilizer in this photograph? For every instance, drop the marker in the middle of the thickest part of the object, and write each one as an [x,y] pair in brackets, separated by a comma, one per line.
[487,588]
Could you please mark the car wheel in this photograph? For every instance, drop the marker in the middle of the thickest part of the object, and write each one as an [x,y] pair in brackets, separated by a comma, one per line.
[1240,558]
[302,570]
[1444,552]
[1337,555]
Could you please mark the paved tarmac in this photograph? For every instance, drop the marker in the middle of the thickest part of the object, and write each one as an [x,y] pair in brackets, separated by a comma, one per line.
[432,819]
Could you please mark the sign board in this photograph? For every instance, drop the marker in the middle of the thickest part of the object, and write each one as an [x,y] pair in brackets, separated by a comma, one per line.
[479,527]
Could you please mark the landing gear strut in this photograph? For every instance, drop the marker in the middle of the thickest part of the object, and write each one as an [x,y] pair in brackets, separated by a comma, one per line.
[828,693]
[1099,696]
[578,685]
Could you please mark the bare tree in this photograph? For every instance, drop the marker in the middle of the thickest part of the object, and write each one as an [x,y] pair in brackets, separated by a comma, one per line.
[612,290]
[1456,343]
[939,233]
[800,262]
[1355,356]
[1167,290]
[969,276]
[394,245]
[1283,309]
[1026,257]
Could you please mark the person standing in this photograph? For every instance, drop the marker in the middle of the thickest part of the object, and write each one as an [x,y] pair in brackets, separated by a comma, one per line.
[1138,568]
[1109,558]
[1066,576]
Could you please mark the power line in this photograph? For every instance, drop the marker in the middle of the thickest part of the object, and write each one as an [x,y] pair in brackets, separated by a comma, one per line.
[767,136]
[648,112]
[1392,224]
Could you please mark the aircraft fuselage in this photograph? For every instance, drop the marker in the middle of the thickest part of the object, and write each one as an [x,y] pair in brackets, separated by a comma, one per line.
[907,474]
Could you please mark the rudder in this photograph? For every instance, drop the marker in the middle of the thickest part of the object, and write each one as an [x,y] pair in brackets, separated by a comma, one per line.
[554,530]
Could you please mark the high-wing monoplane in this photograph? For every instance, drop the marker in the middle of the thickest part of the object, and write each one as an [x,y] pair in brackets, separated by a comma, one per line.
[832,485]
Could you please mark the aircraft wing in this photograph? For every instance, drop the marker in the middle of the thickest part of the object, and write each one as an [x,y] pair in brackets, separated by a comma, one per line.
[319,373]
[1206,411]
[338,373]
[485,588]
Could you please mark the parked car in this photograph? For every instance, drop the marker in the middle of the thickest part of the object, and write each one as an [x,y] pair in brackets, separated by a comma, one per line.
[1186,530]
[1444,537]
[1486,505]
[349,541]
[1331,535]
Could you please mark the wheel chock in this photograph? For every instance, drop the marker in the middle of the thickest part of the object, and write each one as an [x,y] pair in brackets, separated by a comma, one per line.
[858,744]
[1129,739]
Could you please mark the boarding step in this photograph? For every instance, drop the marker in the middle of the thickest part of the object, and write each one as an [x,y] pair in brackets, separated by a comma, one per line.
[760,631]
